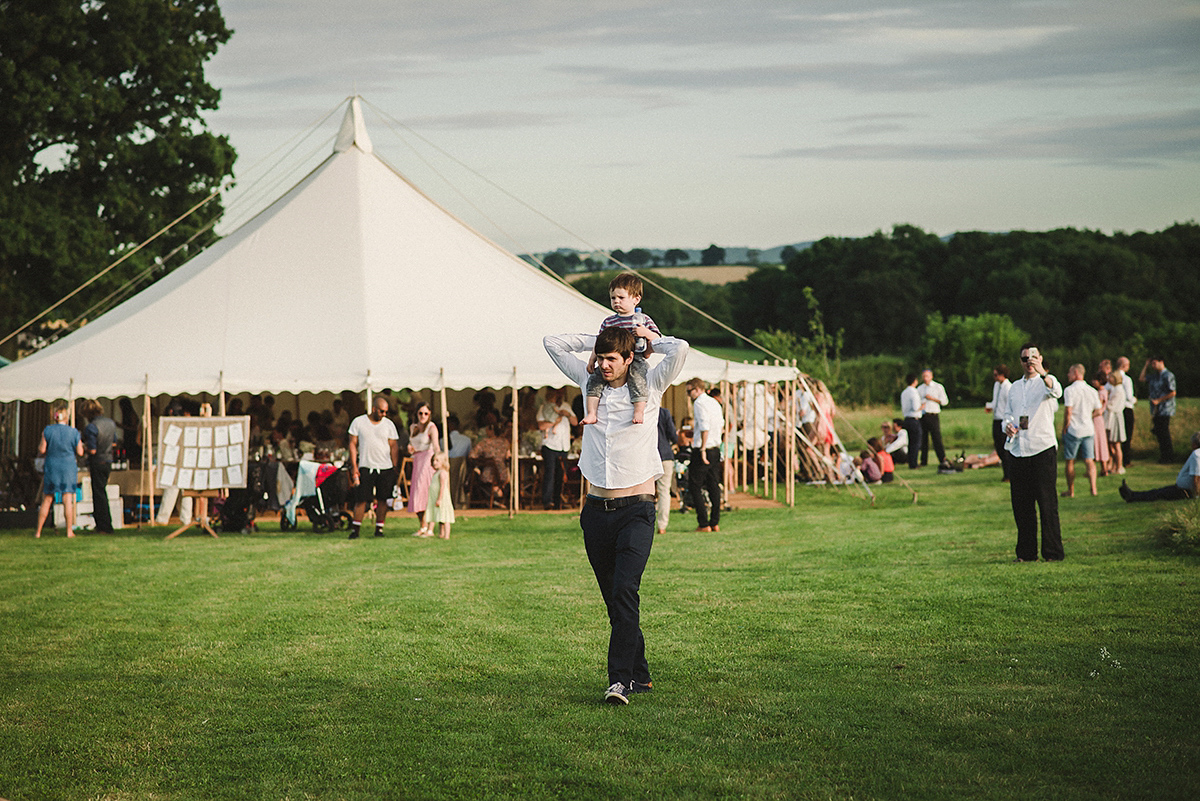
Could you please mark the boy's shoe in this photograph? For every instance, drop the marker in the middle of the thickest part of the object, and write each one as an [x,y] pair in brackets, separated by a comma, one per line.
[638,687]
[616,694]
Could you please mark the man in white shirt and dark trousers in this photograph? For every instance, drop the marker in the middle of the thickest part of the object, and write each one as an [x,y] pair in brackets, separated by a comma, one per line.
[933,398]
[910,410]
[705,469]
[620,461]
[554,419]
[1032,402]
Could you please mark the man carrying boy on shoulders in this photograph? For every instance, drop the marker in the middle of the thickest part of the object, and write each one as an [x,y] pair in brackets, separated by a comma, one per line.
[620,461]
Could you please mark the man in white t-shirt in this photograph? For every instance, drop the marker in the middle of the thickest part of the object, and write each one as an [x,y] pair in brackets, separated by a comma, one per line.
[620,461]
[1032,402]
[374,455]
[1082,403]
[933,398]
[705,469]
[554,420]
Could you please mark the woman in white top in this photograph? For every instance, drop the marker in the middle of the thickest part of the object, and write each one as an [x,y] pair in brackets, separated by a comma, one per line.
[1114,418]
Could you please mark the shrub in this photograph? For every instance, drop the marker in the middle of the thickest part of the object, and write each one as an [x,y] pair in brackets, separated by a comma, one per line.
[1179,529]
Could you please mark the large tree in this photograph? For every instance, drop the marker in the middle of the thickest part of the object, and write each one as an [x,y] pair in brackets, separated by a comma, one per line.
[102,143]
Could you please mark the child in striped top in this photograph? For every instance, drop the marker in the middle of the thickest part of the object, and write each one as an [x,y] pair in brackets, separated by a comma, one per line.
[624,295]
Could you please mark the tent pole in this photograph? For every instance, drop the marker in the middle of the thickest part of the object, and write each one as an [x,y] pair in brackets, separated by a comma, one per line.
[752,431]
[368,391]
[71,402]
[727,412]
[514,481]
[445,414]
[789,472]
[221,396]
[146,480]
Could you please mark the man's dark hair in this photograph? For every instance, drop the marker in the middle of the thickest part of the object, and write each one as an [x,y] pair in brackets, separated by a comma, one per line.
[898,421]
[616,340]
[1029,345]
[908,379]
[1001,370]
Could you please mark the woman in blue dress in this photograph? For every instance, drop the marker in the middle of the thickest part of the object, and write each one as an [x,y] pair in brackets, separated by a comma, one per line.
[61,446]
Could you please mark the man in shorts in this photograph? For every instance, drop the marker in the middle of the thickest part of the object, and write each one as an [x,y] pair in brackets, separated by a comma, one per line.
[1082,403]
[374,455]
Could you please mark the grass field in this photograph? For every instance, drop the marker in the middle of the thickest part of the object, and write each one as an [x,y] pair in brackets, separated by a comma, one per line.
[833,650]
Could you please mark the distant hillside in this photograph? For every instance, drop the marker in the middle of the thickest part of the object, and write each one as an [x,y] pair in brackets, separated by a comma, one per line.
[718,275]
[733,255]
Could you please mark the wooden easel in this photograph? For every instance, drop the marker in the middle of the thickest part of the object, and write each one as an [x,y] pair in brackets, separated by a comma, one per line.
[200,516]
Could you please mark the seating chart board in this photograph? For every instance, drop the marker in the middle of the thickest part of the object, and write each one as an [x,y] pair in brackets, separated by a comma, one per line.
[203,453]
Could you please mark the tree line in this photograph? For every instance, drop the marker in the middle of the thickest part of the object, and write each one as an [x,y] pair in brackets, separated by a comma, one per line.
[964,302]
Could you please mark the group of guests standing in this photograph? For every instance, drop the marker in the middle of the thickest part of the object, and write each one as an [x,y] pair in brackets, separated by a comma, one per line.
[61,445]
[374,470]
[921,403]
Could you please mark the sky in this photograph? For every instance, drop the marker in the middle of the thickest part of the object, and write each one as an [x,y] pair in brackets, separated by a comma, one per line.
[683,123]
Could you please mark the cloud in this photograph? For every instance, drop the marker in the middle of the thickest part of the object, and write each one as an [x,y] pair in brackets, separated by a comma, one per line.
[1147,139]
[1134,54]
[487,120]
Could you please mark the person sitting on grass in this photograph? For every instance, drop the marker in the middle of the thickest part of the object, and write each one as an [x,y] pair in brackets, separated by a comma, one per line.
[866,463]
[887,466]
[624,294]
[1187,483]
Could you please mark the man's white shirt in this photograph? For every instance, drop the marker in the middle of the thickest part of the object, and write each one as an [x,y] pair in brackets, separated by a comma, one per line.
[1082,400]
[932,390]
[707,416]
[1030,397]
[1000,390]
[374,446]
[901,441]
[558,436]
[910,402]
[618,453]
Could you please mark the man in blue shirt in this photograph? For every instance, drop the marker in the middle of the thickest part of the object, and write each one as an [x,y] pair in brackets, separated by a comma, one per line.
[1160,386]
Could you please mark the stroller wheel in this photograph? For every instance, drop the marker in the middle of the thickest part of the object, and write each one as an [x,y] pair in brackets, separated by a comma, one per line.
[285,524]
[343,521]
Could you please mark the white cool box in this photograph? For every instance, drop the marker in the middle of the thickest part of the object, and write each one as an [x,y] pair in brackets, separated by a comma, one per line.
[83,509]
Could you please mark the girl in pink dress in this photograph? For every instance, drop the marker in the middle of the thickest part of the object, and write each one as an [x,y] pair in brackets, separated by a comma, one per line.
[422,445]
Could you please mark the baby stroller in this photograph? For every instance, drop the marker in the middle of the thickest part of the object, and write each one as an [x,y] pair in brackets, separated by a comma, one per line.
[321,491]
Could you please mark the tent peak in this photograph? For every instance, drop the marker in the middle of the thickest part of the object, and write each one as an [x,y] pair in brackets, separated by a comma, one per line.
[353,132]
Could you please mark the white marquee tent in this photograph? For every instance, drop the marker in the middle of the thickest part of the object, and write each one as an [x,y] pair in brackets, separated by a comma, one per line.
[353,279]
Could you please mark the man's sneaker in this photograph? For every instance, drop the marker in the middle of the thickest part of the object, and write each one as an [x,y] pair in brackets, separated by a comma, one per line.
[616,694]
[638,687]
